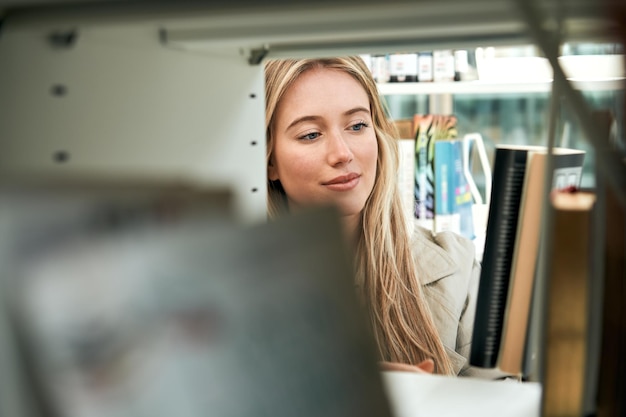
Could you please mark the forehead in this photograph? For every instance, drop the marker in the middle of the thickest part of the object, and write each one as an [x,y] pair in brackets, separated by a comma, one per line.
[322,90]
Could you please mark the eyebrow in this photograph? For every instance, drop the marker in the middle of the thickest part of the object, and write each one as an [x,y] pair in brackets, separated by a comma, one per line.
[309,118]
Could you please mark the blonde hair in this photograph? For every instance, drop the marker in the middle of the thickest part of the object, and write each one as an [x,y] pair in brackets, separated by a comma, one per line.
[385,269]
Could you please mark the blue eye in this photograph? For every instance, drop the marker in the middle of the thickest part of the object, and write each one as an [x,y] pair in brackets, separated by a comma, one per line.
[310,136]
[358,126]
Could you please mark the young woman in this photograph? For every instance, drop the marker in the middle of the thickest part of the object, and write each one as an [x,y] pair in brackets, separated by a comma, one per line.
[329,141]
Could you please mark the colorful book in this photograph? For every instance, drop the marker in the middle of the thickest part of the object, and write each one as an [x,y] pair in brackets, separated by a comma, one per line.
[442,195]
[453,199]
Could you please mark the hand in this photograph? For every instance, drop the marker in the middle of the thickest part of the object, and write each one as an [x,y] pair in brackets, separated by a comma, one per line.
[424,367]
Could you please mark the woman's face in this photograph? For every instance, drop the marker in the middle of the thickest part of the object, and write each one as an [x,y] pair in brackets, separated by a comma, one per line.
[325,147]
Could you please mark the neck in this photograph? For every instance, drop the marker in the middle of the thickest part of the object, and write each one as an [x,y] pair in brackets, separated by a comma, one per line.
[351,226]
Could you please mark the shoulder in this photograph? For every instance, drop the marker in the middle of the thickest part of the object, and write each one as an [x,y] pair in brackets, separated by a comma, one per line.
[448,271]
[440,255]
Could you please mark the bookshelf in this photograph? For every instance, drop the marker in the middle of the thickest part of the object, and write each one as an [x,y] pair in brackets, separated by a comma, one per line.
[508,102]
[492,87]
[524,74]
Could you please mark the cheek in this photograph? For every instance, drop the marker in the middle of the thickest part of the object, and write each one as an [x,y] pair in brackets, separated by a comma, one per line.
[369,159]
[295,170]
[294,166]
[369,155]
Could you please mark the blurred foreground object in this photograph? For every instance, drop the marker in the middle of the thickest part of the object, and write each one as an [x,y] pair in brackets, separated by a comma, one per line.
[187,315]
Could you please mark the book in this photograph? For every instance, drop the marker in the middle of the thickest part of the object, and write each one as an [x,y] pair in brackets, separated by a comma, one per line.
[406,176]
[424,176]
[567,304]
[510,252]
[443,199]
[445,217]
[429,128]
[453,199]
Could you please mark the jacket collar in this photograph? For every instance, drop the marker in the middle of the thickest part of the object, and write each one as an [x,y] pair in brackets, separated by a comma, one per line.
[432,261]
[457,360]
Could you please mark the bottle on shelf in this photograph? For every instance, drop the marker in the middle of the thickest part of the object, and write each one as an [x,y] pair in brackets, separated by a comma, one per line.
[403,67]
[443,65]
[380,68]
[425,67]
[464,65]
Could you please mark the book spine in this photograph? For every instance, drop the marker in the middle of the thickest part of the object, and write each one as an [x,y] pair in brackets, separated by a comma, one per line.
[406,176]
[421,166]
[453,199]
[462,199]
[446,217]
[567,329]
[444,166]
[508,173]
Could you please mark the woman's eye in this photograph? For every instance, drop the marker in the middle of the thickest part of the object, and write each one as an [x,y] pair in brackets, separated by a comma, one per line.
[310,136]
[358,126]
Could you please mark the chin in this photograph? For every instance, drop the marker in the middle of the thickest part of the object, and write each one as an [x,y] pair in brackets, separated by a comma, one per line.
[351,210]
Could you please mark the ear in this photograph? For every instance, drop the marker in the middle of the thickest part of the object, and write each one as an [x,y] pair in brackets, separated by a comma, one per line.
[272,173]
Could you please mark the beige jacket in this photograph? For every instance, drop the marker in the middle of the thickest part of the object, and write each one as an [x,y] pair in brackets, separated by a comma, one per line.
[449,273]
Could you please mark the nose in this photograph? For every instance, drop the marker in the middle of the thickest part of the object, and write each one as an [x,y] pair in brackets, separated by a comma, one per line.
[338,151]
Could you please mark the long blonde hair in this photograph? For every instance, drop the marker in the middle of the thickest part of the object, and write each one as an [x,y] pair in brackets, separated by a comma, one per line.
[385,269]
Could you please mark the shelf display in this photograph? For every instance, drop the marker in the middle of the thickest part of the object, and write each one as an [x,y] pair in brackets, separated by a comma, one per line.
[508,102]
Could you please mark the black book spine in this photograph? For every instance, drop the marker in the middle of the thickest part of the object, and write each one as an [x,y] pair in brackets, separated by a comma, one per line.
[508,182]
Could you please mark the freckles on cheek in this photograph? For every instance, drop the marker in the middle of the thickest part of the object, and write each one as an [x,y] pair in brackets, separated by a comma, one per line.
[294,166]
[300,168]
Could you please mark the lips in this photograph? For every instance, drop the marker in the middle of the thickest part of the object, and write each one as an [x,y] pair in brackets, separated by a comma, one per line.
[343,179]
[343,182]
